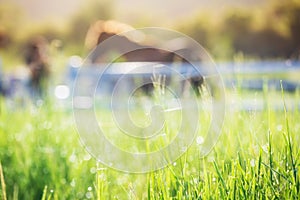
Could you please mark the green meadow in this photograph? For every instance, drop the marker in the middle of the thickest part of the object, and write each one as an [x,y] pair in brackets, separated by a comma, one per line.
[256,157]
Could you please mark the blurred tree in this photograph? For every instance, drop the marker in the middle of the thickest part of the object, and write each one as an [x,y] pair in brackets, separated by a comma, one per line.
[272,34]
[10,13]
[198,29]
[11,19]
[92,10]
[289,12]
[4,38]
[268,43]
[237,27]
[265,42]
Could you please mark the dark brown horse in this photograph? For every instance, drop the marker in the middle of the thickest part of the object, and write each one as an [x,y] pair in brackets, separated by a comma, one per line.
[36,58]
[141,52]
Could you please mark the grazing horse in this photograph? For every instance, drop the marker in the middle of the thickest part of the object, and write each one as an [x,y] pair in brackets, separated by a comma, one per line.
[36,58]
[3,42]
[142,52]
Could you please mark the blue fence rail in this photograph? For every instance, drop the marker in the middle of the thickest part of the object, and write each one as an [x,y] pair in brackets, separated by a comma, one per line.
[246,75]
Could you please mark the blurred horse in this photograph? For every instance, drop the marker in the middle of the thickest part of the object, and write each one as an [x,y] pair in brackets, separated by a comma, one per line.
[142,52]
[3,42]
[36,58]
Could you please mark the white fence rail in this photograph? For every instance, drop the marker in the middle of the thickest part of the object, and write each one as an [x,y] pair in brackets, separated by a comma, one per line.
[243,75]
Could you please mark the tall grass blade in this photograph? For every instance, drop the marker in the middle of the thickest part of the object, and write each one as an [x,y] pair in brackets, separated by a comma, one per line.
[3,186]
[290,146]
[220,176]
[44,193]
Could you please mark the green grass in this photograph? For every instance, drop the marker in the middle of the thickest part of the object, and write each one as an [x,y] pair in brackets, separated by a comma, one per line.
[256,157]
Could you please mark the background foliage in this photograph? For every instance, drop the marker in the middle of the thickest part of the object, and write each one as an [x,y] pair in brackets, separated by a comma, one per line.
[271,31]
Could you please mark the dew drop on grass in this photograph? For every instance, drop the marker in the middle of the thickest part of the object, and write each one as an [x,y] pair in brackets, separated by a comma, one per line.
[39,102]
[199,140]
[279,127]
[183,149]
[255,149]
[265,148]
[80,195]
[252,163]
[210,158]
[63,154]
[47,125]
[102,176]
[90,188]
[73,183]
[87,157]
[93,170]
[163,135]
[88,195]
[195,180]
[72,158]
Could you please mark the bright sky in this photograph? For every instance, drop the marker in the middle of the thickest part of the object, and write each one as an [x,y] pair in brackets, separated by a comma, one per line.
[44,9]
[127,9]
